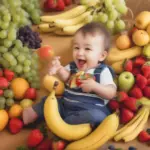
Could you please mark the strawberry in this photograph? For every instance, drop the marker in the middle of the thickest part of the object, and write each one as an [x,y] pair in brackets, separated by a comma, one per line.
[1,72]
[136,71]
[51,4]
[128,65]
[146,69]
[8,74]
[30,93]
[78,82]
[67,2]
[15,125]
[136,92]
[58,145]
[139,61]
[1,92]
[141,81]
[144,136]
[60,6]
[122,96]
[148,81]
[113,105]
[146,91]
[35,137]
[126,115]
[46,144]
[3,83]
[131,103]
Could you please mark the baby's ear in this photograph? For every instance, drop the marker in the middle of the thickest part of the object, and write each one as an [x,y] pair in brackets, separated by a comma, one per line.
[103,56]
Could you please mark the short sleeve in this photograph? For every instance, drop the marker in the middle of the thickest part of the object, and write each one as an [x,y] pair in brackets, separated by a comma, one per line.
[67,67]
[106,77]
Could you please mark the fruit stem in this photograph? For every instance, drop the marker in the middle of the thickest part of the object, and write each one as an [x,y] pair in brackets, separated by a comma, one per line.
[55,85]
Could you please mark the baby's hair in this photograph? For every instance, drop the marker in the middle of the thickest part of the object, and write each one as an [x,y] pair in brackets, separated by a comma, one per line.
[97,28]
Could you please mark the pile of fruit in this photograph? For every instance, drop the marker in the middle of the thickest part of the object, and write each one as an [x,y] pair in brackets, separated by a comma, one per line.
[14,54]
[108,12]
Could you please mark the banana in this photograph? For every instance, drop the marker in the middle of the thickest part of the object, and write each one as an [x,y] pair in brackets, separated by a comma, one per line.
[132,121]
[60,127]
[46,28]
[71,30]
[74,12]
[138,129]
[60,31]
[99,136]
[130,128]
[118,66]
[61,23]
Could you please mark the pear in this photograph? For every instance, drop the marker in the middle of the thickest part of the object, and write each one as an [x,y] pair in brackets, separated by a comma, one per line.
[142,20]
[146,51]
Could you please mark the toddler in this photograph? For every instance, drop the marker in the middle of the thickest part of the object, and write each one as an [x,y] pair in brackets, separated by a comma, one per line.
[88,102]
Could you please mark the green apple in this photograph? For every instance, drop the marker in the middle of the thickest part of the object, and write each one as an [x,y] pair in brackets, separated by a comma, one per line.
[26,103]
[126,81]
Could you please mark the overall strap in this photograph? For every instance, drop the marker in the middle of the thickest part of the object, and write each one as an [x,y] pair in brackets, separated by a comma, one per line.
[73,68]
[99,69]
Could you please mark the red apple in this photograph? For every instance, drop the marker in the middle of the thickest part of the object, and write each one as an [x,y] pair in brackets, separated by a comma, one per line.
[45,52]
[30,93]
[58,145]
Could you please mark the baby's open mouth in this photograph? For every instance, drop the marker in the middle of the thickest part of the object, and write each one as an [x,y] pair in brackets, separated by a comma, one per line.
[81,62]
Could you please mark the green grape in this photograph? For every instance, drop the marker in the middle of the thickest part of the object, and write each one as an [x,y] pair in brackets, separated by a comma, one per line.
[35,56]
[26,68]
[108,3]
[113,15]
[2,106]
[7,18]
[15,51]
[16,18]
[30,79]
[36,79]
[7,43]
[119,2]
[30,7]
[12,34]
[18,44]
[10,102]
[110,24]
[13,62]
[3,34]
[2,99]
[4,25]
[35,17]
[34,73]
[8,93]
[35,85]
[102,17]
[18,68]
[25,49]
[3,49]
[120,25]
[27,62]
[12,26]
[8,56]
[21,58]
[5,63]
[121,8]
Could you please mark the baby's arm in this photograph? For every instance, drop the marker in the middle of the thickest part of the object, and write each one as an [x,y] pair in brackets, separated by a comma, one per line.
[57,68]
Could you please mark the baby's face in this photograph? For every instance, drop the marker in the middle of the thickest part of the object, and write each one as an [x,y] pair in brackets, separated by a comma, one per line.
[88,50]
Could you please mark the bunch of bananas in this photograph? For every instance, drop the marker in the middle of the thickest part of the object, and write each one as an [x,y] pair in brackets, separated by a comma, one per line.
[66,23]
[132,129]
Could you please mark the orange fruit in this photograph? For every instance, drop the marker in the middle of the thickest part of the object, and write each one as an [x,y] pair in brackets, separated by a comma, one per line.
[19,87]
[15,111]
[3,119]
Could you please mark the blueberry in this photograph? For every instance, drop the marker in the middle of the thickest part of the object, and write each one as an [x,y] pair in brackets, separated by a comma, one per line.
[111,147]
[132,148]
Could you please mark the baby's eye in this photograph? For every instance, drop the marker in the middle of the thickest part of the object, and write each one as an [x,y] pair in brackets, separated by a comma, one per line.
[87,49]
[76,48]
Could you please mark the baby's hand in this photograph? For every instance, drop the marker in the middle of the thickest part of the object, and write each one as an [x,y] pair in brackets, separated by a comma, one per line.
[87,85]
[55,66]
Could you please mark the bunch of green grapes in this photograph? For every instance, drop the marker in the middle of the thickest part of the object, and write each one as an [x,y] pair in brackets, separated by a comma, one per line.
[109,12]
[7,100]
[13,55]
[33,8]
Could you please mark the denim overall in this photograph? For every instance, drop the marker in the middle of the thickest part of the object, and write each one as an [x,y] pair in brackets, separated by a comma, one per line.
[77,107]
